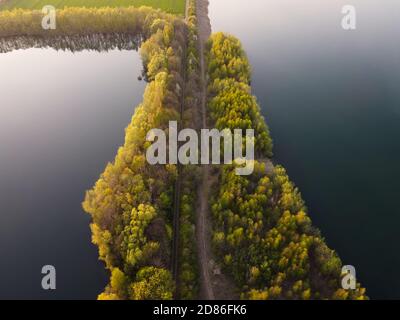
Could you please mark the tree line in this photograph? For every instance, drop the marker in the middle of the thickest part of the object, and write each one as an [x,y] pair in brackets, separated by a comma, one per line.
[80,28]
[262,233]
[131,204]
[188,279]
[82,21]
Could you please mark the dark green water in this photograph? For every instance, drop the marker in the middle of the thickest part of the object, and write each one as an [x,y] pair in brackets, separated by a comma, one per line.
[332,101]
[62,119]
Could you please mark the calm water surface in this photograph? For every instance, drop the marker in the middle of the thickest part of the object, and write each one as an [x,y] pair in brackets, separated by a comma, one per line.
[330,97]
[332,100]
[62,119]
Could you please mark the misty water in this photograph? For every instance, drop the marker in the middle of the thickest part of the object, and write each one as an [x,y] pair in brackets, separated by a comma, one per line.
[62,119]
[332,101]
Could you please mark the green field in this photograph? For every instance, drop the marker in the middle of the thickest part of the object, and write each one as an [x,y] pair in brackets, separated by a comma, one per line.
[171,6]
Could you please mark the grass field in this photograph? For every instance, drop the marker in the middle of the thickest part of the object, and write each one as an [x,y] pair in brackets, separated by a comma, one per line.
[171,6]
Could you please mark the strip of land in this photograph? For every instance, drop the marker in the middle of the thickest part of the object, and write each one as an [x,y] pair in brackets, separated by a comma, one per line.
[170,6]
[204,31]
[213,283]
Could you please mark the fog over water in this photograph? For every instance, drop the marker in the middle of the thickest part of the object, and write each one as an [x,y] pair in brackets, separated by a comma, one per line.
[63,117]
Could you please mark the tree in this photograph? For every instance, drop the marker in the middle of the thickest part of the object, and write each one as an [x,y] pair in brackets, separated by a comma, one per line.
[119,283]
[108,296]
[152,284]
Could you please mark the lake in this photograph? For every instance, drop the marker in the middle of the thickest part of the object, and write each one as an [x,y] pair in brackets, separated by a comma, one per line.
[63,117]
[332,100]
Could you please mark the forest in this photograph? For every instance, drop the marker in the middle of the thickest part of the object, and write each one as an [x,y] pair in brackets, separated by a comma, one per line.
[188,276]
[82,21]
[131,204]
[262,233]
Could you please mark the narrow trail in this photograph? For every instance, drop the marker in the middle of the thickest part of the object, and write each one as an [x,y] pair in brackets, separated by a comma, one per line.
[202,223]
[213,283]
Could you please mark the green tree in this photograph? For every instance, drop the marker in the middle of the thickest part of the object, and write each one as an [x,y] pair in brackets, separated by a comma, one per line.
[152,284]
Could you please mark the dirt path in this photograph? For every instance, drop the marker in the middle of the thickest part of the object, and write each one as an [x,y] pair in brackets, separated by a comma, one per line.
[213,284]
[202,223]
